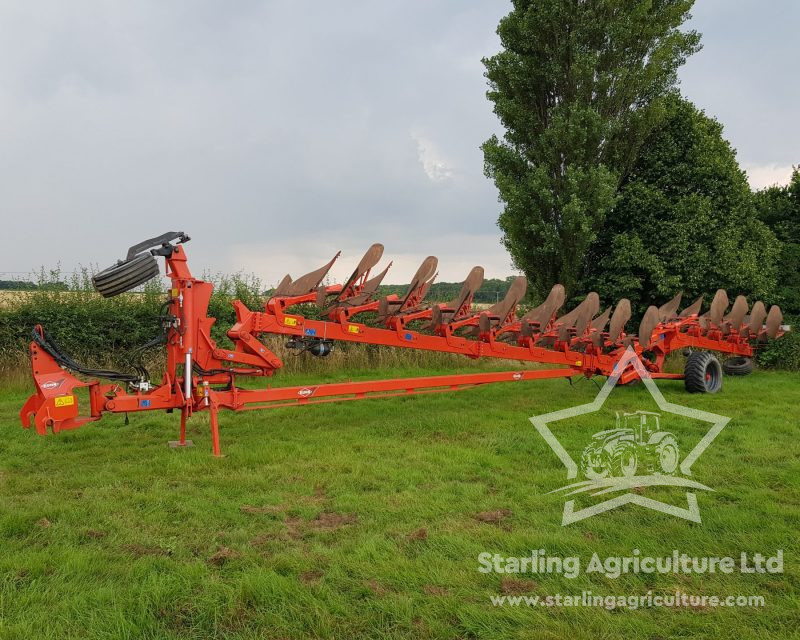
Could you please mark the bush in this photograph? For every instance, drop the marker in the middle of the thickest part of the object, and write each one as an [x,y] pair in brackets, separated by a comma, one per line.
[685,221]
[100,332]
[779,208]
[785,352]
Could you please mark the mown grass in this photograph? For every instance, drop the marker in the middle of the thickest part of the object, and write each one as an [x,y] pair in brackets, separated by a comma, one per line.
[358,520]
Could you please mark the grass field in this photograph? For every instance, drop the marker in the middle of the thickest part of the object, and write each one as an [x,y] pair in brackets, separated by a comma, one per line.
[366,519]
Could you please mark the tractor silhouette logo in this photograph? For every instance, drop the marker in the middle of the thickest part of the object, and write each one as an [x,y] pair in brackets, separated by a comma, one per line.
[638,455]
[636,444]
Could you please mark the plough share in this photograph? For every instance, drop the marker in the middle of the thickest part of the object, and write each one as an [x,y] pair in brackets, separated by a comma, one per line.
[200,375]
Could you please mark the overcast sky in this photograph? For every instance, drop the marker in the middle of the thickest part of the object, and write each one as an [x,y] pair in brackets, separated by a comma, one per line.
[276,133]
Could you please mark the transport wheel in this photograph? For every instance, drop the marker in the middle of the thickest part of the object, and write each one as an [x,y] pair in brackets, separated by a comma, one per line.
[737,366]
[702,373]
[125,275]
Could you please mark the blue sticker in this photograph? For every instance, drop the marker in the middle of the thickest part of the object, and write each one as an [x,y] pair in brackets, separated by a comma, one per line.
[408,336]
[311,332]
[144,403]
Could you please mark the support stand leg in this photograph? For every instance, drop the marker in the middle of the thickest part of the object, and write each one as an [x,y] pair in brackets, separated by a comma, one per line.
[183,442]
[183,427]
[215,430]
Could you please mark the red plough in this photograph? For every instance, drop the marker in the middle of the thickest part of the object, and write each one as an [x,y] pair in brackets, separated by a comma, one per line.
[202,376]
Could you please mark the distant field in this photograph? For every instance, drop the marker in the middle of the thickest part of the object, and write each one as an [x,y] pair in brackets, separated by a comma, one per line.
[365,520]
[10,298]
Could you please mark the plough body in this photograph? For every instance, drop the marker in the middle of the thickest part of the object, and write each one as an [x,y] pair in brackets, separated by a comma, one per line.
[202,376]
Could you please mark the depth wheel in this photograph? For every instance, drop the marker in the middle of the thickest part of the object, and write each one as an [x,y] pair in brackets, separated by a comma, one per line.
[737,366]
[125,275]
[702,373]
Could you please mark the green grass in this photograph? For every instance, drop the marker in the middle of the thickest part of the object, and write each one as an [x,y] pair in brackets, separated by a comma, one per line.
[108,533]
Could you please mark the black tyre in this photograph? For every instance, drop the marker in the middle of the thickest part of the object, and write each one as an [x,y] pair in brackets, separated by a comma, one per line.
[737,366]
[702,373]
[125,275]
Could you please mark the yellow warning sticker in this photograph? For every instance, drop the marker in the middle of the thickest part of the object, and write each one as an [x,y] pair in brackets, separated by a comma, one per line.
[578,363]
[65,401]
[175,293]
[352,328]
[290,322]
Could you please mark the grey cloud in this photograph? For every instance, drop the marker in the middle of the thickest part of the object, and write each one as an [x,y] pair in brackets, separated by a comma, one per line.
[746,76]
[264,126]
[274,133]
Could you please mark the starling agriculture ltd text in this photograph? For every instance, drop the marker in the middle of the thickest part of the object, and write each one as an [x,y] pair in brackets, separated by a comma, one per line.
[540,562]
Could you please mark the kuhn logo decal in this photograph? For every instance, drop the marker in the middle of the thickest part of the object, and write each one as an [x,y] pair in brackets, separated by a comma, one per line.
[305,392]
[52,384]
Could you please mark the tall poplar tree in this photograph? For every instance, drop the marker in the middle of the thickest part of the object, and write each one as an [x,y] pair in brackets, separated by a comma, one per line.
[578,86]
